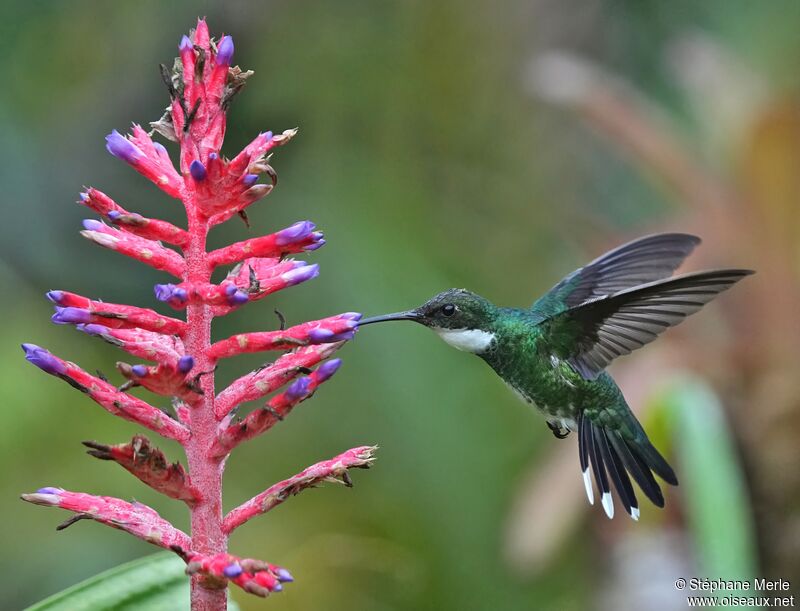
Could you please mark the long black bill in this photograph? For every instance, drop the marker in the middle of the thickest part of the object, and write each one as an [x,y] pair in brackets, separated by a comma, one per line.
[409,315]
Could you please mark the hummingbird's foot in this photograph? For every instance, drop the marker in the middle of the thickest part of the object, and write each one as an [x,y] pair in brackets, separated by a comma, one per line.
[559,432]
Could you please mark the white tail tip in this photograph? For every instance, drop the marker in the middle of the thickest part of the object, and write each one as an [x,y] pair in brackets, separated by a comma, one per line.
[608,504]
[635,513]
[587,483]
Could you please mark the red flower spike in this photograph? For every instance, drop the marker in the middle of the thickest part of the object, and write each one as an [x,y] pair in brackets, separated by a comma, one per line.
[131,222]
[332,470]
[147,251]
[135,518]
[265,380]
[212,189]
[325,331]
[148,464]
[116,316]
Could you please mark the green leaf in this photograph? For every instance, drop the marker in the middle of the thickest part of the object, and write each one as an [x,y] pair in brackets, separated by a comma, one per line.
[152,583]
[714,489]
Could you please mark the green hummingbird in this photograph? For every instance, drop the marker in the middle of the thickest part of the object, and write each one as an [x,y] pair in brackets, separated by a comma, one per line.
[554,354]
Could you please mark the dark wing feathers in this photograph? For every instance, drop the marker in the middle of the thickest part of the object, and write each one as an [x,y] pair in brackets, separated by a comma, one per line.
[614,460]
[594,333]
[649,258]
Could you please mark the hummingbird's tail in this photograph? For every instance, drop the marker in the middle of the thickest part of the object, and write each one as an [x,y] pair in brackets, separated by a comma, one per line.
[615,457]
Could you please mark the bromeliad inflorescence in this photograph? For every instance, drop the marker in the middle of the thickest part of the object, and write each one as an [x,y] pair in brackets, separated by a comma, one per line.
[180,357]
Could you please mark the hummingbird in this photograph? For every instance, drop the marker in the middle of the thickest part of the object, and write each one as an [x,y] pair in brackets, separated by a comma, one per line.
[554,354]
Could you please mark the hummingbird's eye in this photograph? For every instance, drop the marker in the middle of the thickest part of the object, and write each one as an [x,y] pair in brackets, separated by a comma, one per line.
[448,309]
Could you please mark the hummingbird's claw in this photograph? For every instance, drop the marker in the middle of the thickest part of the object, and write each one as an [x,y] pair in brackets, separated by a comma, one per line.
[558,431]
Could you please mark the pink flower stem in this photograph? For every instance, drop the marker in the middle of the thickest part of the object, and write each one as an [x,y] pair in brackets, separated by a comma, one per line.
[208,537]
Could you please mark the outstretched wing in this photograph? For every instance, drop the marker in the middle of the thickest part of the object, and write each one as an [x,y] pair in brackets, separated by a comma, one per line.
[644,260]
[591,335]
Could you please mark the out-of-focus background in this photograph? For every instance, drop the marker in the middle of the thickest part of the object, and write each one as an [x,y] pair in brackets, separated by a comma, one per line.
[494,146]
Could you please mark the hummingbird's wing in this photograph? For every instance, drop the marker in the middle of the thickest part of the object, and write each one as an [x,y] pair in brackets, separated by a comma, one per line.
[591,335]
[649,258]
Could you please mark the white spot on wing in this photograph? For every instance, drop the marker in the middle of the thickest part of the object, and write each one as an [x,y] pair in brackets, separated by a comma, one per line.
[468,340]
[635,513]
[587,483]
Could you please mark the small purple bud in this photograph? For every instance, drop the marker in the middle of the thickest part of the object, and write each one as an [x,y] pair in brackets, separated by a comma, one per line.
[293,233]
[113,215]
[67,316]
[164,292]
[122,148]
[284,576]
[93,329]
[43,359]
[232,570]
[225,51]
[55,296]
[230,289]
[186,44]
[49,490]
[301,274]
[93,225]
[319,335]
[160,148]
[327,369]
[84,196]
[180,294]
[298,389]
[185,364]
[277,587]
[140,370]
[315,245]
[248,180]
[198,170]
[238,298]
[355,316]
[268,136]
[213,156]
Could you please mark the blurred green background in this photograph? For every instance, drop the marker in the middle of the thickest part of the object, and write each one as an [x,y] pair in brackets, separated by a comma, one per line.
[495,146]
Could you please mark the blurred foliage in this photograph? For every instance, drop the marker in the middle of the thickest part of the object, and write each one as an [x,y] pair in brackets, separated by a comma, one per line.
[428,164]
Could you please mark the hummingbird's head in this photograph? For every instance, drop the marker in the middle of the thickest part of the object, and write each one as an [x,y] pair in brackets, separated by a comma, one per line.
[461,318]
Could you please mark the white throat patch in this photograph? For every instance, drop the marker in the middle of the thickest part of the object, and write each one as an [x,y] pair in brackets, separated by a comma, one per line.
[468,340]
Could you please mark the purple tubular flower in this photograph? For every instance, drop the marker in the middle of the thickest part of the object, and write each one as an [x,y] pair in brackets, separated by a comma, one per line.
[185,364]
[354,316]
[49,490]
[198,170]
[343,336]
[122,148]
[318,243]
[43,360]
[232,570]
[225,51]
[92,329]
[92,225]
[320,335]
[277,587]
[160,148]
[186,44]
[140,370]
[68,316]
[238,297]
[301,274]
[298,389]
[327,369]
[113,215]
[284,576]
[248,180]
[84,196]
[293,233]
[55,296]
